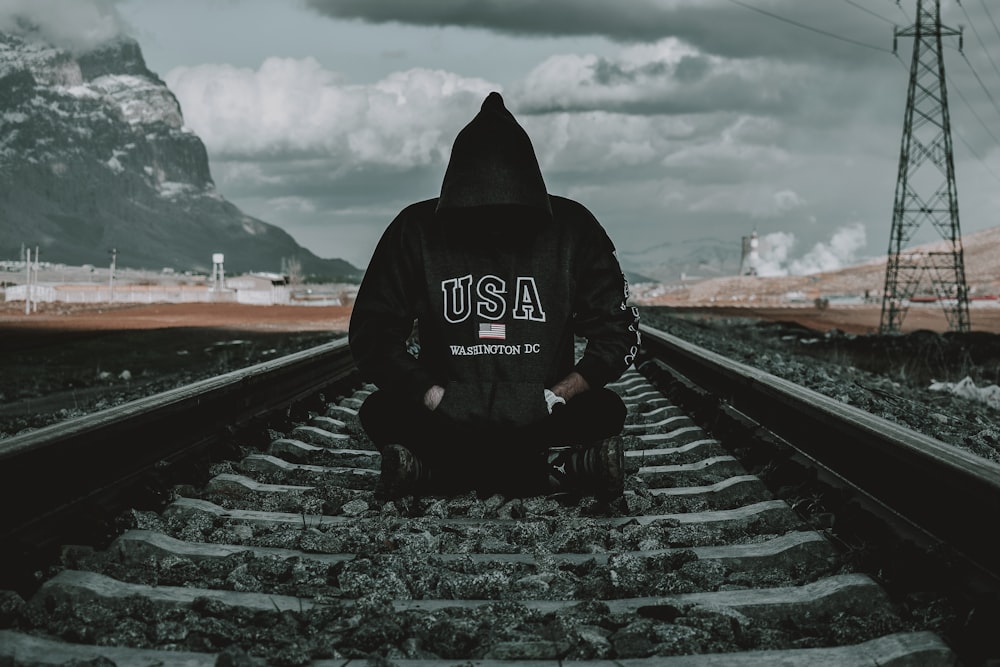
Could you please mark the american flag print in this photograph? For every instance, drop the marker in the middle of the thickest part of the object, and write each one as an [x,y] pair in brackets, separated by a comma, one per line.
[493,331]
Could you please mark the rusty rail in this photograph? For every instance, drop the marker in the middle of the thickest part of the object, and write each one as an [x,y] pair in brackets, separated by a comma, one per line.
[55,480]
[941,491]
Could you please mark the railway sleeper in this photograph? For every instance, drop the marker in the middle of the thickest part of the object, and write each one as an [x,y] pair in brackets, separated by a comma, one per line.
[895,650]
[697,564]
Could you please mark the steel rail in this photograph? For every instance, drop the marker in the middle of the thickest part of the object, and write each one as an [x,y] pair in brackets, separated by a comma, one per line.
[943,491]
[52,470]
[621,574]
[938,489]
[76,464]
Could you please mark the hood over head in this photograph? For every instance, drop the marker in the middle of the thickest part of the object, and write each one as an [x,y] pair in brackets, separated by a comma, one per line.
[493,163]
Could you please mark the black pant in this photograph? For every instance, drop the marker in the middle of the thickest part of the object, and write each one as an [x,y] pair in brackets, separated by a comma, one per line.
[485,457]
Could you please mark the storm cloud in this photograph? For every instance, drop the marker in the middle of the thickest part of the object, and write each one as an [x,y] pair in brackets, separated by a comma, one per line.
[75,25]
[719,27]
[671,120]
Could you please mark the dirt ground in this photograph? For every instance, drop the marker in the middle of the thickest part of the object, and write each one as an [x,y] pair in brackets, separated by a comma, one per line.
[238,317]
[125,317]
[65,360]
[857,319]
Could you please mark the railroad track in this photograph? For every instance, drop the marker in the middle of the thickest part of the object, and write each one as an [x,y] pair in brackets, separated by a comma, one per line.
[242,536]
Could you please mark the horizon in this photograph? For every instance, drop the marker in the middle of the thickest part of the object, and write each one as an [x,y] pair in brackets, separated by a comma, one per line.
[683,122]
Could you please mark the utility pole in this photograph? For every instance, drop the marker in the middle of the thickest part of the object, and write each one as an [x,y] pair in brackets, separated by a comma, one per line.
[34,282]
[27,282]
[111,278]
[925,186]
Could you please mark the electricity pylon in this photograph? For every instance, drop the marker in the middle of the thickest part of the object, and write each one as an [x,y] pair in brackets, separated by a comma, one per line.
[921,196]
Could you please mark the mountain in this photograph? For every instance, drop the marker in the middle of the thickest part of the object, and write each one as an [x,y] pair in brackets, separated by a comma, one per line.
[689,259]
[94,155]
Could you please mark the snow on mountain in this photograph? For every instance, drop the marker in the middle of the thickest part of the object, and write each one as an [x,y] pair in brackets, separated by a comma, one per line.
[94,155]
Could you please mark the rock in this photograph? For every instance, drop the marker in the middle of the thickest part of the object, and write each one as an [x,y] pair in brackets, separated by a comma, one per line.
[354,507]
[531,650]
[11,606]
[591,643]
[240,579]
[888,376]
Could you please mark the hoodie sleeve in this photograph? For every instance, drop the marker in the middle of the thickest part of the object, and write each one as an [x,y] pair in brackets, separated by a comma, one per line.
[602,315]
[383,315]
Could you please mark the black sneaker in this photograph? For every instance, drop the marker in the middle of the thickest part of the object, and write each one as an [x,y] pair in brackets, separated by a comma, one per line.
[402,473]
[598,469]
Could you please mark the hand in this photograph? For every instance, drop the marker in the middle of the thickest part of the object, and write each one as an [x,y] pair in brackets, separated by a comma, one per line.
[570,386]
[552,400]
[433,396]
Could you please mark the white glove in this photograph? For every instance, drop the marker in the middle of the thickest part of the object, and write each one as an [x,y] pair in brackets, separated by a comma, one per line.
[552,400]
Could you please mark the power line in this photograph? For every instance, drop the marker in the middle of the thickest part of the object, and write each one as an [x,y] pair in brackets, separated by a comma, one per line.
[958,91]
[807,27]
[901,10]
[990,17]
[986,127]
[981,84]
[985,164]
[868,11]
[972,25]
[973,110]
[876,48]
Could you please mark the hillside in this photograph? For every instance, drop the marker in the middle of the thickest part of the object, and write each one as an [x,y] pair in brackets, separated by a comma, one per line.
[982,271]
[94,155]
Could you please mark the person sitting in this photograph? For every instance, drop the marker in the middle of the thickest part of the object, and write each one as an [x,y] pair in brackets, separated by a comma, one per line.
[467,321]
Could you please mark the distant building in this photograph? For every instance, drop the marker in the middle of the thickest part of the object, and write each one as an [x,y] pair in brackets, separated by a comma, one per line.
[750,258]
[264,289]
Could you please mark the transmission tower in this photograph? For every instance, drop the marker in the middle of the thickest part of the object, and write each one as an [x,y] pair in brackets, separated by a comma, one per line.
[925,187]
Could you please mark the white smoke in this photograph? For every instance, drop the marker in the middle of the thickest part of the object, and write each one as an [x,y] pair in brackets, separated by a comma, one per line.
[841,250]
[75,25]
[773,251]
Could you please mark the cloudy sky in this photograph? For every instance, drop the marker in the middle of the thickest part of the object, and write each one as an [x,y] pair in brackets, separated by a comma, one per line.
[672,120]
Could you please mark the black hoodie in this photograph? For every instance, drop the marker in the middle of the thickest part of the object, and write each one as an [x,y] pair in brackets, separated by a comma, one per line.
[499,276]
